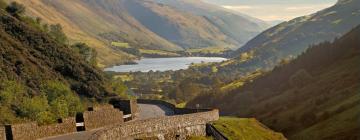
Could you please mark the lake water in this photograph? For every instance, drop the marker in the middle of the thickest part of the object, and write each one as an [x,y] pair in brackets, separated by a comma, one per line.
[163,64]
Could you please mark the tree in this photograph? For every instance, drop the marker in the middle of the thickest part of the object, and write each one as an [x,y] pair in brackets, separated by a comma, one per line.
[15,9]
[120,88]
[56,32]
[87,53]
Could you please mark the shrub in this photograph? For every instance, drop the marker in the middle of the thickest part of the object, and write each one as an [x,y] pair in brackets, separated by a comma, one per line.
[56,32]
[12,93]
[15,9]
[6,115]
[45,117]
[62,100]
[32,107]
[87,53]
[119,88]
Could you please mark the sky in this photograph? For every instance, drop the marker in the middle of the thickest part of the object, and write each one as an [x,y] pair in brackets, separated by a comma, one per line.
[273,10]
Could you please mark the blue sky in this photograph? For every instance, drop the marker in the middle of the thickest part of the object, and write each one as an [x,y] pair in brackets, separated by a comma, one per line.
[270,10]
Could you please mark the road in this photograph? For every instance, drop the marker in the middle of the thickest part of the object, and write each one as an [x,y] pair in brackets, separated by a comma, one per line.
[146,111]
[153,111]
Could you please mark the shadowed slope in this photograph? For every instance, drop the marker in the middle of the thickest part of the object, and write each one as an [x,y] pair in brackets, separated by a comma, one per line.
[316,96]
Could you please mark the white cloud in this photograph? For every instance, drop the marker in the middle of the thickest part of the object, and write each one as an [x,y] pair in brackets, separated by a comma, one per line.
[278,11]
[238,7]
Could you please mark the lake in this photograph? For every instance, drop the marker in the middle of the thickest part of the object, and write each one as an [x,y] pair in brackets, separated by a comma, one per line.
[163,64]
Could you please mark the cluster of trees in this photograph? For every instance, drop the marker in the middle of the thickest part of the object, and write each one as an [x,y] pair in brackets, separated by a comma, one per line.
[55,101]
[181,86]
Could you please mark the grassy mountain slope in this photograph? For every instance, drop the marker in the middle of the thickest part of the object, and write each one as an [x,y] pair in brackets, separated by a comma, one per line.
[289,39]
[101,22]
[316,96]
[32,58]
[238,27]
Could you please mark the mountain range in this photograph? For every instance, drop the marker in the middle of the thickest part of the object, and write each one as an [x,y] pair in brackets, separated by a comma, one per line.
[171,25]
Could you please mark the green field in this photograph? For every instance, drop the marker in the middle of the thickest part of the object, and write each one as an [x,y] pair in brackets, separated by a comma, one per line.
[158,52]
[210,50]
[245,129]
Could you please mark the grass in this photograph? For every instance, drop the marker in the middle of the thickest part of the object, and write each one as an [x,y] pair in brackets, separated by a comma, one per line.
[158,52]
[212,50]
[124,77]
[245,129]
[181,105]
[241,82]
[120,44]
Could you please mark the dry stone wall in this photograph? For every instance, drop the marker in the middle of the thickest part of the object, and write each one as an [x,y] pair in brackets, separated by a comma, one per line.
[171,127]
[31,131]
[102,116]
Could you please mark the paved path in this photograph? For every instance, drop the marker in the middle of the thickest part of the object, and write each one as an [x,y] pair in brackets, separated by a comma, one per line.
[146,111]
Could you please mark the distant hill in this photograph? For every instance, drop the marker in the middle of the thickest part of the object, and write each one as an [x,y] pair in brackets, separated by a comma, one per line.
[289,39]
[236,26]
[181,28]
[315,96]
[144,25]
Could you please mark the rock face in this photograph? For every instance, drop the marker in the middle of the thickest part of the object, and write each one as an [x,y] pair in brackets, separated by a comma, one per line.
[163,128]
